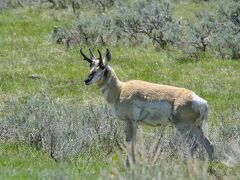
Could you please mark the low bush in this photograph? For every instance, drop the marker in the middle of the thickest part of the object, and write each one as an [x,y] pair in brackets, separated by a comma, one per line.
[152,19]
[5,4]
[61,130]
[67,132]
[92,30]
[197,35]
[227,37]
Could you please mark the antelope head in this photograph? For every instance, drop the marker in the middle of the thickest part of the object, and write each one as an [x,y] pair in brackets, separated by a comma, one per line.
[98,66]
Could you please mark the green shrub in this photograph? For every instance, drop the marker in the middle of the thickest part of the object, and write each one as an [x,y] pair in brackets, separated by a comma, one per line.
[152,19]
[197,35]
[98,29]
[102,5]
[4,4]
[61,130]
[227,38]
[67,132]
[153,23]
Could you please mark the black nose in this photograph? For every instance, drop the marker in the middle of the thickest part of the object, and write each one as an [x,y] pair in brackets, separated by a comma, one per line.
[88,79]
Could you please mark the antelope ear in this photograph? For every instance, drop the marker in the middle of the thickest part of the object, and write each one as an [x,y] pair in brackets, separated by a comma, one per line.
[108,55]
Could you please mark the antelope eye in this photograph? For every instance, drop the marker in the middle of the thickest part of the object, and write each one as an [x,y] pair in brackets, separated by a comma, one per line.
[102,67]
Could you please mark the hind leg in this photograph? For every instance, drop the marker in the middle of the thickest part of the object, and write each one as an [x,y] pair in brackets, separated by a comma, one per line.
[194,137]
[193,147]
[185,131]
[200,138]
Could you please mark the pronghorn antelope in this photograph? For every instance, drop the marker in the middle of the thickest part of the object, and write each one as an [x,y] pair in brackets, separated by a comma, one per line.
[138,102]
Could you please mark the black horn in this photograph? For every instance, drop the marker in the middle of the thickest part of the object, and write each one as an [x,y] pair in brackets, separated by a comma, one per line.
[100,60]
[91,54]
[85,57]
[108,55]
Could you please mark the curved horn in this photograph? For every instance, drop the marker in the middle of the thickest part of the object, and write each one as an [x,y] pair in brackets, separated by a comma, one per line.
[91,54]
[100,55]
[85,57]
[108,55]
[100,60]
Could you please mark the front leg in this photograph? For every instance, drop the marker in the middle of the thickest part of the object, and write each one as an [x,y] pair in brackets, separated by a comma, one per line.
[131,131]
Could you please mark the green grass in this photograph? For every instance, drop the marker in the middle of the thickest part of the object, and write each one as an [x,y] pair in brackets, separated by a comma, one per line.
[26,48]
[19,161]
[188,9]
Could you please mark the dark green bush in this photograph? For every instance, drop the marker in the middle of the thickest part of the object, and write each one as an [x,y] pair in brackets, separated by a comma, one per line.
[219,32]
[97,29]
[141,20]
[227,37]
[197,35]
[102,5]
[152,22]
[5,4]
[152,19]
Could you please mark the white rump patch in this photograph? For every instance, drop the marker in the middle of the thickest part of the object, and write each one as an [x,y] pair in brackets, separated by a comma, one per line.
[200,105]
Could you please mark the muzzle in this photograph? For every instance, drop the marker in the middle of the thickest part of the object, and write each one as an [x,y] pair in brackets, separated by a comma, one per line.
[89,79]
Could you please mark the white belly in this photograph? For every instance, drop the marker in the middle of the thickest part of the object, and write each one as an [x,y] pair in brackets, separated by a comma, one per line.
[155,113]
[148,113]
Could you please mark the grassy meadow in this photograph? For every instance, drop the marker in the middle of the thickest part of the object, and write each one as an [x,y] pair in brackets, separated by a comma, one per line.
[42,94]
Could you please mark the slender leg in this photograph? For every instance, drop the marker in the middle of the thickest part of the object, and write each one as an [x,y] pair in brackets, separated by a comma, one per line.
[196,133]
[185,132]
[130,131]
[192,143]
[204,141]
[193,148]
[134,133]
